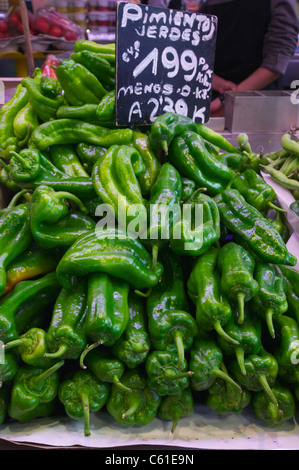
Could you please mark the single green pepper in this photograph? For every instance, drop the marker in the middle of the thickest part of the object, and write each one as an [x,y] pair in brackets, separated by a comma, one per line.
[206,363]
[137,407]
[216,138]
[292,276]
[44,106]
[50,86]
[89,154]
[84,112]
[33,392]
[134,344]
[9,367]
[75,131]
[106,367]
[106,108]
[248,334]
[166,127]
[270,301]
[268,412]
[4,400]
[286,348]
[247,222]
[280,226]
[83,45]
[5,179]
[82,394]
[25,122]
[110,251]
[65,336]
[261,373]
[192,159]
[164,374]
[65,159]
[79,84]
[199,228]
[188,189]
[174,407]
[295,207]
[53,223]
[19,296]
[163,208]
[98,65]
[232,160]
[15,237]
[212,308]
[236,266]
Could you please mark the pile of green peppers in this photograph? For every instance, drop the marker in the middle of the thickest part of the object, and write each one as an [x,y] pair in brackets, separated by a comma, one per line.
[150,314]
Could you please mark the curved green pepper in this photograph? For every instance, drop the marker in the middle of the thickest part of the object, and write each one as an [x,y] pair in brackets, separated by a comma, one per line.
[85,112]
[25,122]
[44,106]
[88,155]
[166,127]
[188,189]
[106,107]
[174,407]
[9,367]
[280,226]
[268,412]
[98,65]
[286,348]
[216,138]
[64,158]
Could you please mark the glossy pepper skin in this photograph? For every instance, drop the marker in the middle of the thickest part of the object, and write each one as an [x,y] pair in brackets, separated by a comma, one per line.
[164,375]
[189,154]
[15,237]
[99,66]
[89,154]
[75,131]
[106,367]
[261,373]
[110,251]
[82,394]
[44,106]
[79,84]
[65,159]
[280,226]
[9,367]
[188,189]
[196,231]
[85,112]
[216,139]
[33,392]
[134,344]
[106,108]
[268,412]
[206,362]
[115,179]
[232,160]
[212,308]
[166,127]
[251,226]
[236,266]
[248,334]
[25,122]
[286,348]
[291,278]
[53,223]
[65,336]
[270,301]
[163,207]
[174,407]
[23,293]
[138,407]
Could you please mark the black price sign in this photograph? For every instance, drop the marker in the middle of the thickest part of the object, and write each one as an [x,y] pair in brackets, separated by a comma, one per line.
[164,62]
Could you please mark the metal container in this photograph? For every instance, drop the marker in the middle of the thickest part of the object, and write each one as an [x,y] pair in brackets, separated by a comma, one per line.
[260,111]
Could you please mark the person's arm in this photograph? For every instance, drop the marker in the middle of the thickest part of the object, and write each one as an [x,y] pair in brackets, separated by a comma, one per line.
[258,80]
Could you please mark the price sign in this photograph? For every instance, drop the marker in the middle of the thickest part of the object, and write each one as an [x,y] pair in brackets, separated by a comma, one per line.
[164,62]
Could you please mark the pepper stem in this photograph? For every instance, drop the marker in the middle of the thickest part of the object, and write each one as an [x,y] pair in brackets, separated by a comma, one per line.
[133,408]
[147,293]
[22,160]
[86,350]
[241,301]
[86,414]
[15,198]
[182,375]
[218,328]
[175,420]
[164,146]
[39,379]
[60,351]
[120,385]
[4,165]
[16,342]
[240,359]
[223,375]
[178,339]
[72,197]
[269,321]
[277,208]
[264,383]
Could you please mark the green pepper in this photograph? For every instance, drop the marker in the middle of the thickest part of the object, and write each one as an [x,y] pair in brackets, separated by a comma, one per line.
[188,189]
[33,392]
[206,363]
[83,45]
[286,348]
[139,406]
[216,138]
[88,155]
[280,226]
[79,84]
[164,373]
[106,108]
[82,394]
[32,348]
[279,177]
[30,168]
[199,228]
[251,226]
[166,127]
[268,412]
[44,106]
[84,112]
[19,296]
[15,237]
[189,154]
[248,334]
[163,207]
[134,344]
[174,407]
[291,278]
[232,160]
[65,336]
[50,86]
[212,307]
[98,65]
[32,263]
[250,160]
[270,301]
[295,207]
[9,367]
[106,367]
[25,122]
[111,251]
[114,177]
[261,373]
[5,179]
[64,158]
[236,266]
[225,398]
[74,131]
[4,400]
[53,223]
